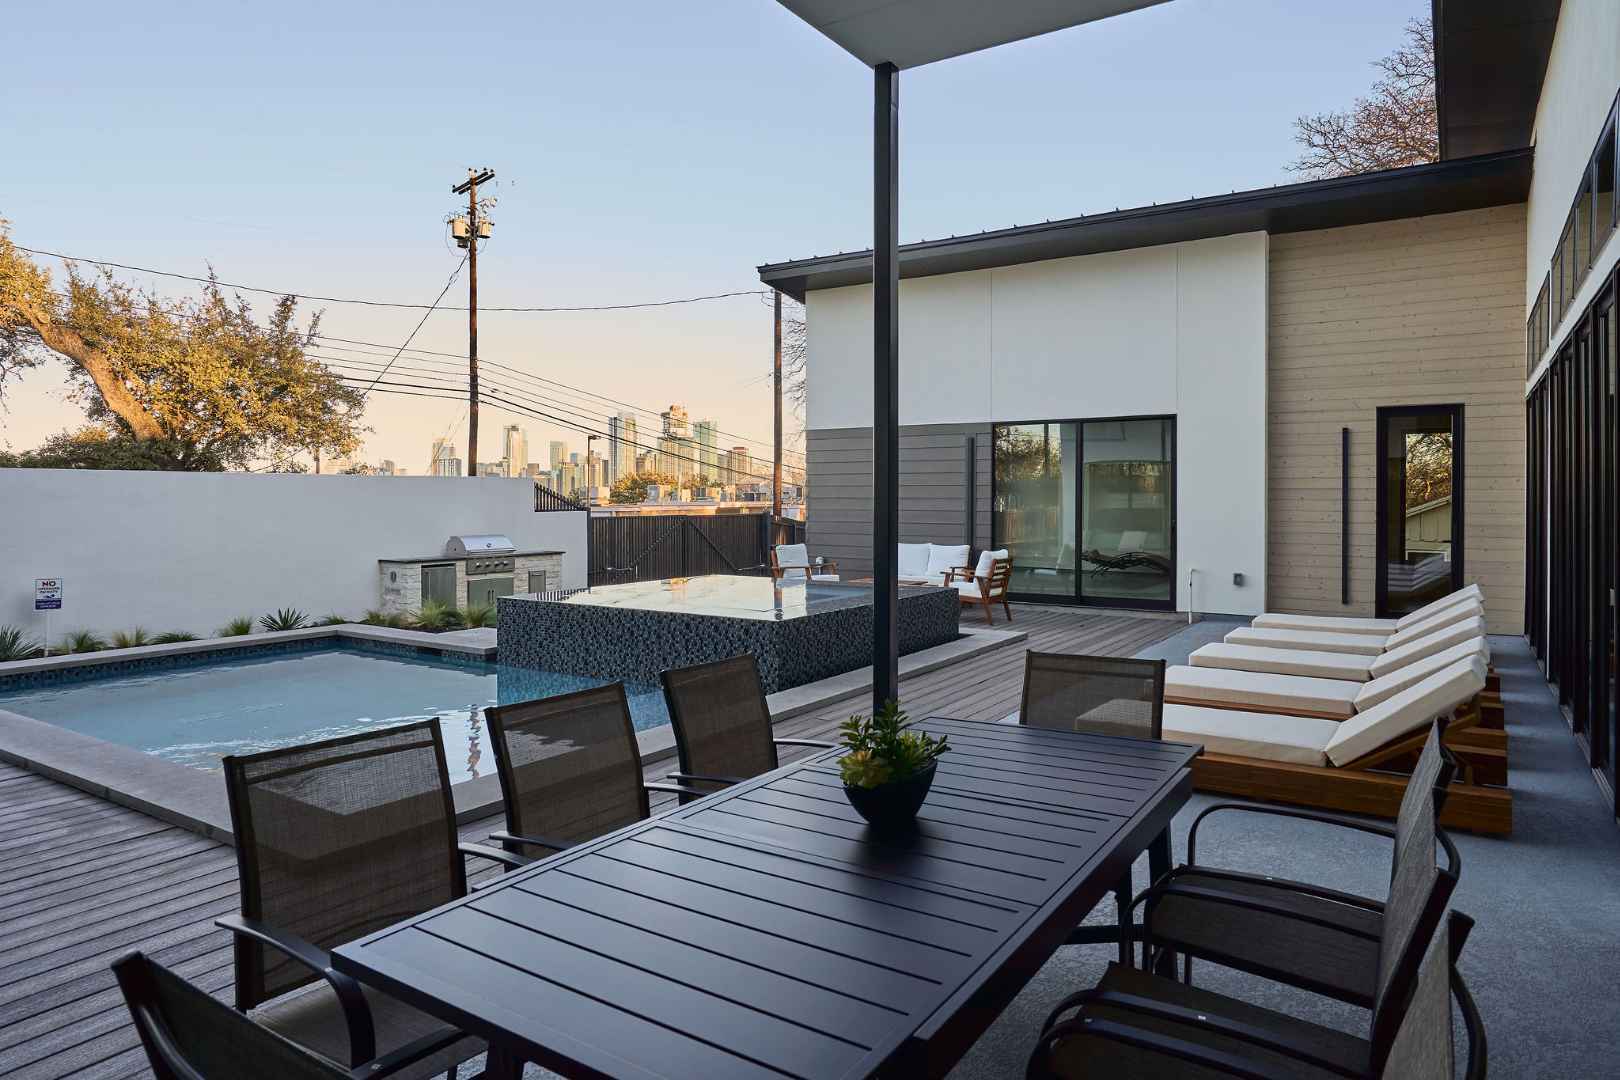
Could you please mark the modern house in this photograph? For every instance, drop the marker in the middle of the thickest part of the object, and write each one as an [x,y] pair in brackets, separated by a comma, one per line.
[1220,405]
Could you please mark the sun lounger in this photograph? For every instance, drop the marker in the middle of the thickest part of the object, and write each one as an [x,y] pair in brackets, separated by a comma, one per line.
[1358,667]
[1349,624]
[1344,765]
[1357,644]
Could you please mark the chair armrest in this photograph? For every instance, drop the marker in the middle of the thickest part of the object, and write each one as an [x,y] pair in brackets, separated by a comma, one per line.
[687,778]
[804,742]
[678,789]
[356,1013]
[1281,811]
[501,836]
[510,859]
[406,1055]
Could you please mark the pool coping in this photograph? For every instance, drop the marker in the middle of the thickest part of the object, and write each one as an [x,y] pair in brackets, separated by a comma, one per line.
[194,799]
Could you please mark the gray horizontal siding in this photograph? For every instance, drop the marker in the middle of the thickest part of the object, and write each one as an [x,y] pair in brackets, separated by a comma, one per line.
[933,490]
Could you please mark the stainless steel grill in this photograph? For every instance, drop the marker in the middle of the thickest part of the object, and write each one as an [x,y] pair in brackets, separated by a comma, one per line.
[464,544]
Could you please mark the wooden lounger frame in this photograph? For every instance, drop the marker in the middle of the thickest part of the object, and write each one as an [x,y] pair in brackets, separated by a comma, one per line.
[1368,785]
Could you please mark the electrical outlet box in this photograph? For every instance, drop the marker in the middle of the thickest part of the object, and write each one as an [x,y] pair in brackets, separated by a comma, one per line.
[1237,579]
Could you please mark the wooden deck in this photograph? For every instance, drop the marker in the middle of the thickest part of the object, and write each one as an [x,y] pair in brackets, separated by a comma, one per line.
[82,881]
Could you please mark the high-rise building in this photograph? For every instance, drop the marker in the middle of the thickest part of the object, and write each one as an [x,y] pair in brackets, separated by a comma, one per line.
[558,453]
[675,424]
[704,433]
[739,465]
[386,467]
[622,448]
[515,445]
[444,461]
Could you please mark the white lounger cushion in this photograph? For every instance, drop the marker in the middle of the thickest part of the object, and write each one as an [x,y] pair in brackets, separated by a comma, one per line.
[1300,740]
[1463,595]
[1440,641]
[1450,617]
[1357,644]
[1387,686]
[1322,665]
[1327,624]
[1406,712]
[1257,689]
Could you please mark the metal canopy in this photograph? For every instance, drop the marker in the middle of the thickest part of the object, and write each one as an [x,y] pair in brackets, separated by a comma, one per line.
[910,33]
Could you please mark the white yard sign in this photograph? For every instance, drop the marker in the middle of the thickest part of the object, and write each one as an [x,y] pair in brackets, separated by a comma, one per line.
[48,594]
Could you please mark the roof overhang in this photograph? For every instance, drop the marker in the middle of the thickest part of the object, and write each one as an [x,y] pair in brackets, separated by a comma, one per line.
[909,33]
[1447,186]
[1489,59]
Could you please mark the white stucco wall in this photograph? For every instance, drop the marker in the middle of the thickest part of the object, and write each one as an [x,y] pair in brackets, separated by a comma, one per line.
[190,551]
[1178,329]
[1583,75]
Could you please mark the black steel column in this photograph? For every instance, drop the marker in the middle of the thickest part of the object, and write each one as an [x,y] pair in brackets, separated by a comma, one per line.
[885,383]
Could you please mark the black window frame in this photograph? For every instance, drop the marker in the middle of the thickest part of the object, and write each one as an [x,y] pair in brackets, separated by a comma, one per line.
[1459,494]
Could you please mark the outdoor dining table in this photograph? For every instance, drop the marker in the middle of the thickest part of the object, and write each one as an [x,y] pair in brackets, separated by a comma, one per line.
[766,930]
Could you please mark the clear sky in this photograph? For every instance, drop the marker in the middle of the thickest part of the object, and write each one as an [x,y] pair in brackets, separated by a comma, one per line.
[644,149]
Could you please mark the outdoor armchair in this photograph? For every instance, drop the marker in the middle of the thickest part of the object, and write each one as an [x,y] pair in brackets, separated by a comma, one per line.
[1142,1025]
[335,840]
[986,584]
[570,769]
[1099,695]
[188,1035]
[791,562]
[722,724]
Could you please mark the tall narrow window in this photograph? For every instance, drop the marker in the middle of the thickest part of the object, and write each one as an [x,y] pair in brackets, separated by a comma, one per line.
[1419,506]
[1603,201]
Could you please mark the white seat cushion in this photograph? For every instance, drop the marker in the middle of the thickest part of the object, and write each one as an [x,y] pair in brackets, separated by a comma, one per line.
[792,555]
[1284,661]
[968,588]
[1407,711]
[913,561]
[1289,693]
[1359,644]
[1327,624]
[943,557]
[1387,686]
[1439,641]
[1439,621]
[1463,595]
[823,577]
[986,560]
[1296,739]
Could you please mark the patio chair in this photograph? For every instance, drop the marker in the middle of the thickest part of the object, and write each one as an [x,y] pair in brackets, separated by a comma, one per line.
[570,769]
[791,563]
[1302,934]
[1343,765]
[1350,624]
[334,840]
[1147,1027]
[188,1035]
[722,724]
[1356,643]
[1100,695]
[1142,1025]
[986,585]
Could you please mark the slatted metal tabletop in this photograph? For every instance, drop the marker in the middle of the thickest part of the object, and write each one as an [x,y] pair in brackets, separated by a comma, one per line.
[766,931]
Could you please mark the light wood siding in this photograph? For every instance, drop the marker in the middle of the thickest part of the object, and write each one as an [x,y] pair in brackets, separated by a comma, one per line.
[1413,312]
[933,490]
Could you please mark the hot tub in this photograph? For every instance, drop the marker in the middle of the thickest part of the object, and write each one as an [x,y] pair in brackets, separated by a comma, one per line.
[798,633]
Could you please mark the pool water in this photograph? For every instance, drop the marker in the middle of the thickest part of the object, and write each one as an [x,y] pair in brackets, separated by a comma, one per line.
[196,715]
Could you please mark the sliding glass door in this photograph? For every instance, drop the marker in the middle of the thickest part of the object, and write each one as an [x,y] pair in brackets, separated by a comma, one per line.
[1086,509]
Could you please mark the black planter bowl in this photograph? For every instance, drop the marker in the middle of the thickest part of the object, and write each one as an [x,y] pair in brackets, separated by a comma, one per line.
[892,807]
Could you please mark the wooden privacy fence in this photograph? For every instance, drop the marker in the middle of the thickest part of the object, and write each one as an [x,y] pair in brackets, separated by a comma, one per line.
[649,547]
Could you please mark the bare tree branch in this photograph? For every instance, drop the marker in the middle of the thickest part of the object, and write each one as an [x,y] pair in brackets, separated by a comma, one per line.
[1395,125]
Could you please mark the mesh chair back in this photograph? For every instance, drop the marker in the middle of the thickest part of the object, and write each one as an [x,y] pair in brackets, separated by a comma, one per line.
[1102,695]
[1418,891]
[1422,1047]
[570,769]
[339,838]
[722,724]
[187,1033]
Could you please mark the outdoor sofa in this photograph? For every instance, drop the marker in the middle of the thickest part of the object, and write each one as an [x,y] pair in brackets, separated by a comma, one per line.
[929,564]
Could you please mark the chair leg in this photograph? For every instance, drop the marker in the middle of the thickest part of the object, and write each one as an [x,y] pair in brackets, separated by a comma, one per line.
[1006,607]
[989,613]
[1122,901]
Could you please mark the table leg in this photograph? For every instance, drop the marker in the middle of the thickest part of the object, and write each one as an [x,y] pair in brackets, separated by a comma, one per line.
[1160,862]
[501,1064]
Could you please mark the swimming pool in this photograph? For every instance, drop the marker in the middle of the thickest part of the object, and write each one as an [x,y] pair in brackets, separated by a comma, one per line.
[197,713]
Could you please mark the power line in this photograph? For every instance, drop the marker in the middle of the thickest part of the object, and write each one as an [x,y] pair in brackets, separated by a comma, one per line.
[419,324]
[385,303]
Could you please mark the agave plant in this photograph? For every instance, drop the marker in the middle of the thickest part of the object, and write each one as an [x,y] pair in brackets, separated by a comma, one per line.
[434,617]
[129,639]
[15,645]
[242,624]
[287,618]
[173,637]
[478,615]
[82,641]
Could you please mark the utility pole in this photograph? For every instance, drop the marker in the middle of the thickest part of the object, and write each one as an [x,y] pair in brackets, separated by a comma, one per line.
[776,383]
[474,230]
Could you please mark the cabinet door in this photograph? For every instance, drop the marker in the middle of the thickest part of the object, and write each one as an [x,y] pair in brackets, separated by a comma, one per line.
[483,592]
[439,584]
